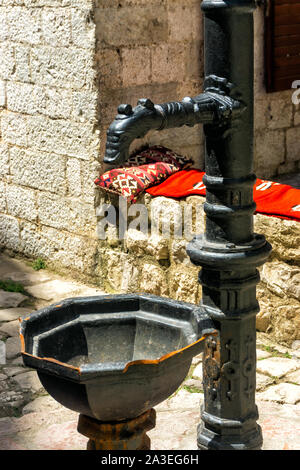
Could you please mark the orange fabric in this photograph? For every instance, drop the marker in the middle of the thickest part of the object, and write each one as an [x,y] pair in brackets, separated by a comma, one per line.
[273,199]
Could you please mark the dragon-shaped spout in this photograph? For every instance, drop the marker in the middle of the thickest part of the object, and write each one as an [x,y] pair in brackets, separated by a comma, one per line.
[214,106]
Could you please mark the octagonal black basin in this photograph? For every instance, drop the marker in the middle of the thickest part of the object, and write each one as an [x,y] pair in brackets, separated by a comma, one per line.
[113,357]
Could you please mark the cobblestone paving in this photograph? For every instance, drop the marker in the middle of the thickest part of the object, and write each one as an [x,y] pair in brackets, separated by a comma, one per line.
[31,419]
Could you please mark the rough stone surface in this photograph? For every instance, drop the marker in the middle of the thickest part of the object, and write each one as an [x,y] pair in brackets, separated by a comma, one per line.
[11,314]
[11,299]
[54,289]
[10,328]
[277,366]
[282,393]
[27,278]
[13,347]
[28,381]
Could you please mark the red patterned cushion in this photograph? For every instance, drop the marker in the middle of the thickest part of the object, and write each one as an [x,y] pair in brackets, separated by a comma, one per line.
[157,153]
[144,169]
[130,182]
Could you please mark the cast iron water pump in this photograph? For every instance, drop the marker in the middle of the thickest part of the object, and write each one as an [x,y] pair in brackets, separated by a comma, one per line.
[112,358]
[229,252]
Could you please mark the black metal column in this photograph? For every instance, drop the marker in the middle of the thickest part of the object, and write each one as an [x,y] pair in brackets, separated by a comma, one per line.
[229,252]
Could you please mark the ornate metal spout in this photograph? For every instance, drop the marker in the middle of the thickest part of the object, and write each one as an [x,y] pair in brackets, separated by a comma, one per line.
[214,106]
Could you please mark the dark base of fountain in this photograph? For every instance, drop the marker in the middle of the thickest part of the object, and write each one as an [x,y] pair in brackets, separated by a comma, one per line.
[125,435]
[209,440]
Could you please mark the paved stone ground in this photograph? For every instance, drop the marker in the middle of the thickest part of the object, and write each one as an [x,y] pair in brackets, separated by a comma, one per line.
[31,419]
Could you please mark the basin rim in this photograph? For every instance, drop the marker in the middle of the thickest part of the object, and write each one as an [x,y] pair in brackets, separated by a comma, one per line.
[88,372]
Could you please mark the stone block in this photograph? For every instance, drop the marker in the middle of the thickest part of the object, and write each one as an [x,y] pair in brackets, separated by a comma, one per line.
[185,21]
[288,168]
[4,35]
[118,270]
[21,202]
[9,232]
[71,68]
[183,283]
[2,197]
[136,242]
[136,66]
[194,55]
[277,366]
[280,114]
[166,217]
[110,66]
[14,129]
[56,26]
[61,249]
[89,172]
[4,159]
[135,24]
[130,277]
[11,328]
[40,170]
[2,93]
[178,254]
[294,377]
[62,137]
[7,60]
[73,175]
[262,381]
[281,393]
[24,25]
[153,280]
[260,113]
[158,247]
[292,144]
[83,27]
[66,214]
[10,300]
[22,63]
[13,347]
[174,138]
[283,236]
[20,98]
[297,116]
[264,319]
[29,381]
[53,290]
[168,63]
[280,316]
[85,104]
[282,279]
[269,152]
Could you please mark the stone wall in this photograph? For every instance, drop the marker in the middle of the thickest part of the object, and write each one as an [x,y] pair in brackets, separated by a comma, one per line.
[159,265]
[152,49]
[277,120]
[50,141]
[65,65]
